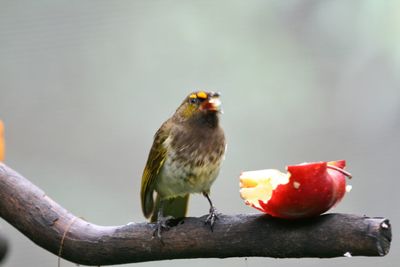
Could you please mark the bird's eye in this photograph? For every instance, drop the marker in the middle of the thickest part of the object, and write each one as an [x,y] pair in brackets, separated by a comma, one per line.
[193,100]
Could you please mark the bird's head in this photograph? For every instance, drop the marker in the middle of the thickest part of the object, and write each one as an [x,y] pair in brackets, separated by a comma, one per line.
[200,106]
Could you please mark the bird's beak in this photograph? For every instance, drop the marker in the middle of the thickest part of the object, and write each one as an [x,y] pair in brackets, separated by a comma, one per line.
[212,104]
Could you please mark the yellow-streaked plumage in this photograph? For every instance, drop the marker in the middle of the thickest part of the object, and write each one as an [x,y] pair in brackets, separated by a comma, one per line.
[185,158]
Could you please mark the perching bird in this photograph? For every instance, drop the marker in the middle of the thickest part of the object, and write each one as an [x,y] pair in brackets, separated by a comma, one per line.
[185,158]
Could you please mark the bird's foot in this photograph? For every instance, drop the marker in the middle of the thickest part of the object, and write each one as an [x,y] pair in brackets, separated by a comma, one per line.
[161,225]
[212,217]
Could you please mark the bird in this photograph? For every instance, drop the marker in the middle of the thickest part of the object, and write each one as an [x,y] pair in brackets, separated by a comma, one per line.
[185,158]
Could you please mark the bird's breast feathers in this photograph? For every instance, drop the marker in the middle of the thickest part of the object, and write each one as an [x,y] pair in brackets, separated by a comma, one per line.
[190,166]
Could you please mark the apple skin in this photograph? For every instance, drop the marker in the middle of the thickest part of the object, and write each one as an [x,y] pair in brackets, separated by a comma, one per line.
[313,188]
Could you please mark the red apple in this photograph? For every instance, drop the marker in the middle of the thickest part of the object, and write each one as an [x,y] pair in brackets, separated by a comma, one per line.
[307,190]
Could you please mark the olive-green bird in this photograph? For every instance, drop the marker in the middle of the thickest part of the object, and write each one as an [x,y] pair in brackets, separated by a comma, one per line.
[185,158]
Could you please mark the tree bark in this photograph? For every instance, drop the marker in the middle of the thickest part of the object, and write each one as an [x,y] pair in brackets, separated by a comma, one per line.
[3,246]
[50,226]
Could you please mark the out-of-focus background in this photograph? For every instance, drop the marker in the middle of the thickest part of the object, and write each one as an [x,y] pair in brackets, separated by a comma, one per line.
[84,85]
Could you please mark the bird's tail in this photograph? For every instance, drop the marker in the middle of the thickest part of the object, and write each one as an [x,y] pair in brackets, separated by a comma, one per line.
[175,207]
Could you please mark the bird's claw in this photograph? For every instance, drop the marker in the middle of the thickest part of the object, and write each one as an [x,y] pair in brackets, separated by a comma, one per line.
[211,218]
[161,225]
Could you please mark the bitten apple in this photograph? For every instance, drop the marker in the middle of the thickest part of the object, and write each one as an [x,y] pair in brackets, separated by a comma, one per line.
[306,190]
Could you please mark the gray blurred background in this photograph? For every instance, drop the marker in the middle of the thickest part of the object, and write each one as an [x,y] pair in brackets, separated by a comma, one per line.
[84,85]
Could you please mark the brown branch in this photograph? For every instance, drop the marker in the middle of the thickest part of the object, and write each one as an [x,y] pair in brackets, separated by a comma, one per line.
[44,221]
[3,246]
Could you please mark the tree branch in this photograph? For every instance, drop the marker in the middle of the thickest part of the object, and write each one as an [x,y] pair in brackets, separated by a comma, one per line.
[45,222]
[3,246]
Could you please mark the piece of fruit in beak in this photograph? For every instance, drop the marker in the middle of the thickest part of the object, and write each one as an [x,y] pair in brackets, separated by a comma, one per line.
[212,104]
[307,190]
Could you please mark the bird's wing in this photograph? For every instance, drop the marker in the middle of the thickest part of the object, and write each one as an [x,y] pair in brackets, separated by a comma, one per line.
[152,169]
